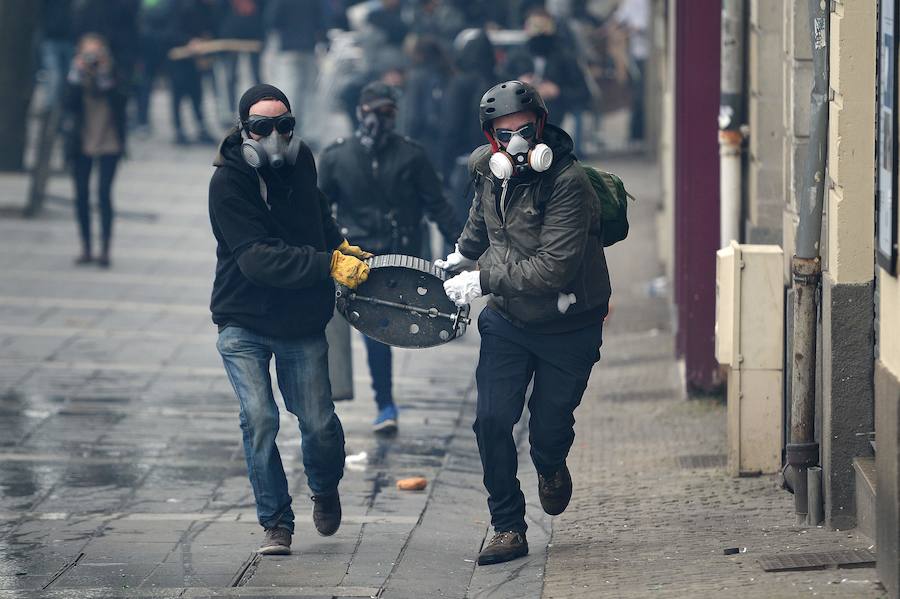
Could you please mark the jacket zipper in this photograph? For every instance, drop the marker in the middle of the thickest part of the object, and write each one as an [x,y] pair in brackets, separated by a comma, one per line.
[504,187]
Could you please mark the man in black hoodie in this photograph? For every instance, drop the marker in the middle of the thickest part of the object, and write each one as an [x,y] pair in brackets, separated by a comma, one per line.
[278,251]
[529,233]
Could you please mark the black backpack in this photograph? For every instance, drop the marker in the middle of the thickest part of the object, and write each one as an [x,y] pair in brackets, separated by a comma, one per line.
[609,214]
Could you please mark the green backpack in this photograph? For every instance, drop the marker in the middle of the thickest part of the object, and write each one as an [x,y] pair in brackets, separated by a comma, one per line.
[609,218]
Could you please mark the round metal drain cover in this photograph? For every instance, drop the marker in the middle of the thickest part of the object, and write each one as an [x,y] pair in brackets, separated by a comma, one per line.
[403,304]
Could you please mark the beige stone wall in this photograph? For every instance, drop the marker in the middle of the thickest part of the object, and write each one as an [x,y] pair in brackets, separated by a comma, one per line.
[765,98]
[851,139]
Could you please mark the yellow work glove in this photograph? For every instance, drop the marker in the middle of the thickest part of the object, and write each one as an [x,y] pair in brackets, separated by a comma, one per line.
[354,250]
[348,270]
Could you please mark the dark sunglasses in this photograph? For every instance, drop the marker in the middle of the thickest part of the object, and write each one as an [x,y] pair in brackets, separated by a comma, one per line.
[264,125]
[526,132]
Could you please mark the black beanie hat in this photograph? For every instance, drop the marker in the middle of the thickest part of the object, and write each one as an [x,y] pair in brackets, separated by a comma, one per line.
[262,91]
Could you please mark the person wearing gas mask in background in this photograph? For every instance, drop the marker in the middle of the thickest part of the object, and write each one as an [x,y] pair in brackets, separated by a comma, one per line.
[278,253]
[94,127]
[528,236]
[382,184]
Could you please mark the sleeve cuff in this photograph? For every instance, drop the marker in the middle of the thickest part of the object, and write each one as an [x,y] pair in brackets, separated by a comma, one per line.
[467,254]
[485,280]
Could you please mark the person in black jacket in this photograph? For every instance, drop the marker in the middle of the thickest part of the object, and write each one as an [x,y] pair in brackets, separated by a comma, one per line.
[189,21]
[529,234]
[475,72]
[278,249]
[381,184]
[549,63]
[94,124]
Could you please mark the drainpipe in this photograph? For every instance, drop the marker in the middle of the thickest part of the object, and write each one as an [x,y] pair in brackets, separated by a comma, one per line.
[802,452]
[731,121]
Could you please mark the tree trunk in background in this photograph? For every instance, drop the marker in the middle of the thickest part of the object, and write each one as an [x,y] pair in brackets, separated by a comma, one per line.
[18,23]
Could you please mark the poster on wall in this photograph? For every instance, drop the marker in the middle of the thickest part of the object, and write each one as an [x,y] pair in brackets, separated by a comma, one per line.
[886,241]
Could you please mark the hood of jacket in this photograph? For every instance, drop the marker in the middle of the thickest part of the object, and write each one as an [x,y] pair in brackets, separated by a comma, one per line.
[229,152]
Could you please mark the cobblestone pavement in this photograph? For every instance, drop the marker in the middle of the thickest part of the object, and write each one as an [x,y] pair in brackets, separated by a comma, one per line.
[121,469]
[653,508]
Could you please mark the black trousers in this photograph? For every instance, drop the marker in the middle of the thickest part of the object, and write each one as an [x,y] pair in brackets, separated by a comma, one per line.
[231,75]
[81,170]
[186,82]
[560,364]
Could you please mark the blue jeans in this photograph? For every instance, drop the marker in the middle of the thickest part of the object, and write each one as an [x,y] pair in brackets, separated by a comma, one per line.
[380,367]
[560,364]
[302,369]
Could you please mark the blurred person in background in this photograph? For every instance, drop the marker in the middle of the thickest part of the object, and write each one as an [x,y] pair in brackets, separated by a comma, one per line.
[634,17]
[422,101]
[549,63]
[242,20]
[299,26]
[438,19]
[56,47]
[94,123]
[152,30]
[382,184]
[387,19]
[475,72]
[391,75]
[189,21]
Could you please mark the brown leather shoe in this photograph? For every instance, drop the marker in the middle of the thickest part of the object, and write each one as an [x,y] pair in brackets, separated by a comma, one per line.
[555,491]
[277,542]
[505,546]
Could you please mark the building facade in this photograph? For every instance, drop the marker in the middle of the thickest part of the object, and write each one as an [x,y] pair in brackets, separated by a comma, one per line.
[857,418]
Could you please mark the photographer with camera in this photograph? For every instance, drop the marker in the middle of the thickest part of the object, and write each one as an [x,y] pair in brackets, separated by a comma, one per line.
[94,123]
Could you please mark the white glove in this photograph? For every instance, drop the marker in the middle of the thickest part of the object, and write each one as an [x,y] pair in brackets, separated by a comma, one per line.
[464,287]
[455,261]
[564,301]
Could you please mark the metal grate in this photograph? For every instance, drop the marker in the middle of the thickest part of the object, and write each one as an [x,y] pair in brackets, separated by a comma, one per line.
[847,558]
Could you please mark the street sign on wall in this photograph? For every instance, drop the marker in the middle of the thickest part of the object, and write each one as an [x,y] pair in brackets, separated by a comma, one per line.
[886,241]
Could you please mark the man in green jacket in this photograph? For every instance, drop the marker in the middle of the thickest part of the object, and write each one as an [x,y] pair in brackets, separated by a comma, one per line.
[528,235]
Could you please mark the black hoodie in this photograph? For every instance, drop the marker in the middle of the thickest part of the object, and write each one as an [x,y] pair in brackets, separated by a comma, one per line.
[274,255]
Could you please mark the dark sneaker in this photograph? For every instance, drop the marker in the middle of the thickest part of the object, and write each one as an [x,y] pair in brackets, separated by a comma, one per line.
[327,513]
[503,547]
[555,491]
[277,542]
[386,421]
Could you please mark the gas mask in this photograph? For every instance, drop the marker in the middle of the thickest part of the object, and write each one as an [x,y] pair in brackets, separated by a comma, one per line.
[273,150]
[374,127]
[519,157]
